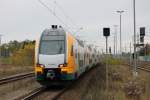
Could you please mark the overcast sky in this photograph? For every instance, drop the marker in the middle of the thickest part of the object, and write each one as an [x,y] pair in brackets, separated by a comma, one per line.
[26,19]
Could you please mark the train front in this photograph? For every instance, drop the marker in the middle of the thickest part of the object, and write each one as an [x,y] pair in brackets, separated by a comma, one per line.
[51,56]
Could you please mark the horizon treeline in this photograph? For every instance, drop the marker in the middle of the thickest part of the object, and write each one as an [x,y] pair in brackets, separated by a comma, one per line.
[18,53]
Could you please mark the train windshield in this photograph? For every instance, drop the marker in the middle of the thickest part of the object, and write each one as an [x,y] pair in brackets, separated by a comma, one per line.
[51,47]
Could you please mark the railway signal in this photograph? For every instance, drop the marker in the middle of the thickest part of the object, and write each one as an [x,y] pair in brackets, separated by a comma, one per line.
[142,34]
[142,31]
[141,39]
[106,33]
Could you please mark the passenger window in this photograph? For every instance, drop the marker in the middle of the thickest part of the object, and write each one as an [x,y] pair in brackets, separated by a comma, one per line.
[76,54]
[72,50]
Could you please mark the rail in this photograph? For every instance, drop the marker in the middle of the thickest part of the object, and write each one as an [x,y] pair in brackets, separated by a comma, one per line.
[144,66]
[16,77]
[32,94]
[54,94]
[39,91]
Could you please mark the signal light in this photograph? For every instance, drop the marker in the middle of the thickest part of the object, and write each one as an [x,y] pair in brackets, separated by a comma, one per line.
[142,31]
[106,31]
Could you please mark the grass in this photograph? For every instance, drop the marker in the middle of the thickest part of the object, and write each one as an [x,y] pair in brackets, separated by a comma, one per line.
[17,61]
[7,68]
[121,79]
[111,60]
[116,90]
[11,70]
[5,60]
[93,87]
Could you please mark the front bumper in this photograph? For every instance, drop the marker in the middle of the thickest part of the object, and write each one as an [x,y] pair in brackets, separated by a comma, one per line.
[54,74]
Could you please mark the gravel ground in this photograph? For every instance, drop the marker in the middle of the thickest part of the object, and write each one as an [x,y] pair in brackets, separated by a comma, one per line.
[49,94]
[16,89]
[75,92]
[80,90]
[145,78]
[92,86]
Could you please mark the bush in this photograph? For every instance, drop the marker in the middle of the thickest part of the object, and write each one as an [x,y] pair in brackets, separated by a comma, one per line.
[112,61]
[23,56]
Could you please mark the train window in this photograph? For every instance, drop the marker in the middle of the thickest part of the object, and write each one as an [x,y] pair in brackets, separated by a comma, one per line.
[72,50]
[76,54]
[51,47]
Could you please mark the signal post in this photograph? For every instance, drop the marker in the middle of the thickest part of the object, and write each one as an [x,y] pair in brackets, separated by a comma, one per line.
[106,34]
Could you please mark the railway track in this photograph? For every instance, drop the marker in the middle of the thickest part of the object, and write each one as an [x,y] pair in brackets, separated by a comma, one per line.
[16,77]
[142,66]
[144,69]
[52,94]
[32,94]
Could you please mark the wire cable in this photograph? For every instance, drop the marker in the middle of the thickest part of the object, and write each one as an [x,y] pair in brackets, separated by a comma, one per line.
[53,13]
[65,14]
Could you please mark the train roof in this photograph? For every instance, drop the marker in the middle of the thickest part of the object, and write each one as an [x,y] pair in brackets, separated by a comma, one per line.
[54,31]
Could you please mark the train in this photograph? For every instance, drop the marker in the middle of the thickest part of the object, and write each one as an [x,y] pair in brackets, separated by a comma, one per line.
[61,57]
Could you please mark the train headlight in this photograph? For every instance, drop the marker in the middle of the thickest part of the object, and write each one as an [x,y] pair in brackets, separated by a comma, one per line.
[62,65]
[39,68]
[40,65]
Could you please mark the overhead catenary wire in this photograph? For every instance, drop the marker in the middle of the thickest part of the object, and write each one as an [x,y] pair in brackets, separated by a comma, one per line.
[53,13]
[58,18]
[65,14]
[71,21]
